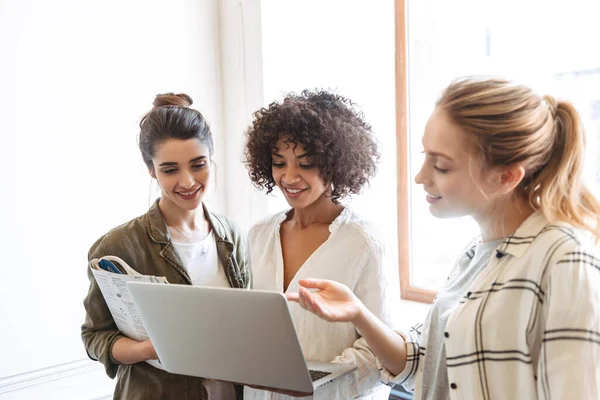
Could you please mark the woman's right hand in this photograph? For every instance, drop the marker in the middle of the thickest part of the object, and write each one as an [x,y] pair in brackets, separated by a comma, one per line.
[332,300]
[148,351]
[129,351]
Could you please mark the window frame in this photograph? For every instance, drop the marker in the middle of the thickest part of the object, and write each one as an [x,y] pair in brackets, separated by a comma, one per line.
[407,290]
[402,107]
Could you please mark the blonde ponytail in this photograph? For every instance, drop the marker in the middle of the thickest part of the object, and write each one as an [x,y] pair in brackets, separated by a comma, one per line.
[558,189]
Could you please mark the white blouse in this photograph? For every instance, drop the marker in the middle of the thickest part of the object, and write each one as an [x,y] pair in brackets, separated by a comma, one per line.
[354,255]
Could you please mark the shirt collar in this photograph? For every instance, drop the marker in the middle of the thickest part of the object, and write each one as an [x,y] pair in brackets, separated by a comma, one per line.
[518,242]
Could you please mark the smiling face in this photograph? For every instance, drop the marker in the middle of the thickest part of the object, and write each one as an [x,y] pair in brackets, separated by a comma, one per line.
[182,169]
[453,176]
[296,174]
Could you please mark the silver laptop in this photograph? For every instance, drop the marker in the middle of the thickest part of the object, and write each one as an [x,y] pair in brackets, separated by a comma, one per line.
[235,335]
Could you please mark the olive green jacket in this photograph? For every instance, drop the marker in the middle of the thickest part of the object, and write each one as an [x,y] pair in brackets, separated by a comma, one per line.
[145,244]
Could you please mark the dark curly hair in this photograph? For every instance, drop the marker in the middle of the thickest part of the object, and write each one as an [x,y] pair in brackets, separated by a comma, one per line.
[330,130]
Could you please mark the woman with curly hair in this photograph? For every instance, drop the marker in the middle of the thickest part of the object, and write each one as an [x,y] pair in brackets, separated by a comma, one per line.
[317,150]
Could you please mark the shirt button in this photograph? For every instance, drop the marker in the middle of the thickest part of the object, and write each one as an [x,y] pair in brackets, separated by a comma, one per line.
[453,385]
[446,334]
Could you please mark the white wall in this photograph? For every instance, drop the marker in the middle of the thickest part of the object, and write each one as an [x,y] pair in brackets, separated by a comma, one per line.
[75,77]
[242,77]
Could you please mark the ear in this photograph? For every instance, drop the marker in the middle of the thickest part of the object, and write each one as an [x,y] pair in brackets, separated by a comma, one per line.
[151,172]
[511,177]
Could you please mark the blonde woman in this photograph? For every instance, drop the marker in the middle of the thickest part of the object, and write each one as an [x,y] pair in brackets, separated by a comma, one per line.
[519,316]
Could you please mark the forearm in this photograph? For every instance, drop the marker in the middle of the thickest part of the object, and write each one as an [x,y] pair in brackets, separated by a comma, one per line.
[388,346]
[129,351]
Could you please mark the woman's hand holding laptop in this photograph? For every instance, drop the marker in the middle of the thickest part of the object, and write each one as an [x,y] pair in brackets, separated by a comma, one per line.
[149,350]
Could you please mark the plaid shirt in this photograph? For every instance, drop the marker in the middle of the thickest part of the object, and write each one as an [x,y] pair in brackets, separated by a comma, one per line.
[529,325]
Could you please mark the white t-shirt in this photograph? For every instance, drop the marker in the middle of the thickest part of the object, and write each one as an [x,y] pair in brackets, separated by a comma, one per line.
[202,262]
[354,255]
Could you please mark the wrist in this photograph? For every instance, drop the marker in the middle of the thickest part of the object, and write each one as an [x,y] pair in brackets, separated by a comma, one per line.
[362,317]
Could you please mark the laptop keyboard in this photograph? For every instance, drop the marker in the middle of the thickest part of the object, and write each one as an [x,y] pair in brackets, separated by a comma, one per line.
[316,375]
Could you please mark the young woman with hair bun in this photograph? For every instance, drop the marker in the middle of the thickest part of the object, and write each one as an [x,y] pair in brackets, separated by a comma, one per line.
[178,238]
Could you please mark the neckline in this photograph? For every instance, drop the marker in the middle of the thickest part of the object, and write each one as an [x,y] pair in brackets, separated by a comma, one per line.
[333,227]
[201,242]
